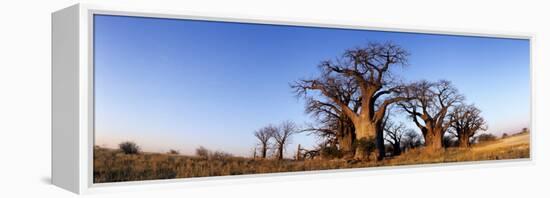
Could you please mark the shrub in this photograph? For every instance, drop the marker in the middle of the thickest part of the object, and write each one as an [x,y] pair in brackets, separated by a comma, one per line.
[524,130]
[173,152]
[390,150]
[202,152]
[129,148]
[449,141]
[219,155]
[504,135]
[367,146]
[486,137]
[331,152]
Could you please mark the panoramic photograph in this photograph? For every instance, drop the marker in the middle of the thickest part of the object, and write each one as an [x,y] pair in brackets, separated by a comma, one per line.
[176,98]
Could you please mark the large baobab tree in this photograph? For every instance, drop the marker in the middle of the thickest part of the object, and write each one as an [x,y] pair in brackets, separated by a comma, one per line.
[370,69]
[264,135]
[429,105]
[282,136]
[466,121]
[335,127]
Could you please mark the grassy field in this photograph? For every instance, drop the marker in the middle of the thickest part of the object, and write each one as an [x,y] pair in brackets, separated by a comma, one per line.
[512,147]
[114,166]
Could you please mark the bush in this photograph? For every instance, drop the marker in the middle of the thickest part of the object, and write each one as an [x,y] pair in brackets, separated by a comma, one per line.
[202,152]
[367,146]
[449,141]
[331,152]
[219,155]
[173,152]
[486,137]
[524,130]
[129,148]
[504,135]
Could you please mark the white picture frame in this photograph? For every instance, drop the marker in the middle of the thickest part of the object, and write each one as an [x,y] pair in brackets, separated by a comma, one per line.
[72,100]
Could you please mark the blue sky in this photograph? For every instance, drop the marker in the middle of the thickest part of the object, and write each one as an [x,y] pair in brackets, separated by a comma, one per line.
[177,84]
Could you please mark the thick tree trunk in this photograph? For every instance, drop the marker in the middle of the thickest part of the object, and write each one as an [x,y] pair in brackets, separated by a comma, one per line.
[365,131]
[433,139]
[346,143]
[463,140]
[346,138]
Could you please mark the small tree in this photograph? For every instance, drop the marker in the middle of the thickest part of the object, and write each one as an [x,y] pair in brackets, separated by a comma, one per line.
[465,122]
[282,136]
[264,135]
[411,139]
[129,148]
[394,134]
[202,152]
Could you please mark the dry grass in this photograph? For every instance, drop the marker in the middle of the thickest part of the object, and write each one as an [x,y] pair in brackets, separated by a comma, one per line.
[114,166]
[512,147]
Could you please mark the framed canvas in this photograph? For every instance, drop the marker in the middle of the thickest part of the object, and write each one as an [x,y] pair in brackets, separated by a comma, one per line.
[170,99]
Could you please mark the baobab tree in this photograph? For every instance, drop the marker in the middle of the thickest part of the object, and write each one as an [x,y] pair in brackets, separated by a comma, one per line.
[429,105]
[370,69]
[411,139]
[264,135]
[282,136]
[335,126]
[394,134]
[466,121]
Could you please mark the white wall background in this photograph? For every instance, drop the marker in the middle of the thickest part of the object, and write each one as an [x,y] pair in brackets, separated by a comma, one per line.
[25,98]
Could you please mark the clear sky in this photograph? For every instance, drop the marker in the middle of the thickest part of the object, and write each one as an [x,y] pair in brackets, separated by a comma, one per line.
[177,84]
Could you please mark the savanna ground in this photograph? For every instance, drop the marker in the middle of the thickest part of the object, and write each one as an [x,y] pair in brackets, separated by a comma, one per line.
[112,165]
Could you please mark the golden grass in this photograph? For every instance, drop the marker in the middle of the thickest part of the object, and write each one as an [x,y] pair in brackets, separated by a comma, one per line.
[114,166]
[513,147]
